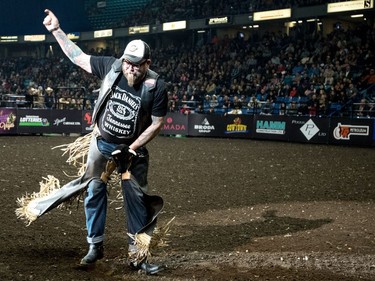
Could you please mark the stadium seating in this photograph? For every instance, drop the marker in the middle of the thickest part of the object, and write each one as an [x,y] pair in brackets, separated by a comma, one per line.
[111,12]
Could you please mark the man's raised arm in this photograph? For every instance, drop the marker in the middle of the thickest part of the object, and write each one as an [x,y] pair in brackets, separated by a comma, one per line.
[72,51]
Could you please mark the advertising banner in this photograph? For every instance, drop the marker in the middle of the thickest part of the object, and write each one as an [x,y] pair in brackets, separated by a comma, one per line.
[66,121]
[34,121]
[229,126]
[237,126]
[175,124]
[87,125]
[351,131]
[202,125]
[270,127]
[308,130]
[8,119]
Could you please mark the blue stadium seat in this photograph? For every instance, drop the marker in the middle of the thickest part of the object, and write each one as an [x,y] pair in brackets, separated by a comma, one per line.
[219,110]
[113,13]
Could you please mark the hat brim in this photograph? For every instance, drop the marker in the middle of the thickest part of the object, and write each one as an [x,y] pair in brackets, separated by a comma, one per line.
[134,60]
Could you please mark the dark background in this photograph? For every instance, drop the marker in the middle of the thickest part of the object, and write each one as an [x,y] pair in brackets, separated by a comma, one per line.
[19,17]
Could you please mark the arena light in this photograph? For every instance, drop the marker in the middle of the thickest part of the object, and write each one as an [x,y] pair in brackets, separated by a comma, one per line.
[357,16]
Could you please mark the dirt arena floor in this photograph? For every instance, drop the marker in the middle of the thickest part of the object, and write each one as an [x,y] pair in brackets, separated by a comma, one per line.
[245,210]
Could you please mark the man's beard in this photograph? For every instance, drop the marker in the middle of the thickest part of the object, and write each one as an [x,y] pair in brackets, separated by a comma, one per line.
[133,78]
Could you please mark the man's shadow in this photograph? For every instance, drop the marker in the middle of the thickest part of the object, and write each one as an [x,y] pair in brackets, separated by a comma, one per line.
[228,237]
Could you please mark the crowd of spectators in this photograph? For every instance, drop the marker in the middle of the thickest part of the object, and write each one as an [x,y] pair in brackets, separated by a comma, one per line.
[51,82]
[302,73]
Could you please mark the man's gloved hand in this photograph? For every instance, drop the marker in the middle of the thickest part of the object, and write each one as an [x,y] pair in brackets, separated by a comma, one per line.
[122,156]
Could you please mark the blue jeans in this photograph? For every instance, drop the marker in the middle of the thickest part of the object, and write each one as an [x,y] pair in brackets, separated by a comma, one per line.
[134,203]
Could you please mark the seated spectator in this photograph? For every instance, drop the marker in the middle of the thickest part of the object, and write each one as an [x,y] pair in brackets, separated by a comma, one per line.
[292,109]
[266,108]
[237,102]
[29,98]
[211,88]
[213,101]
[39,98]
[185,109]
[199,109]
[283,109]
[237,110]
[363,109]
[254,102]
[49,98]
[64,103]
[211,110]
[87,105]
[368,79]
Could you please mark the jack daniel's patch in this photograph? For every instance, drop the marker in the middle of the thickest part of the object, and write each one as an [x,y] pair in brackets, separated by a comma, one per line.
[120,116]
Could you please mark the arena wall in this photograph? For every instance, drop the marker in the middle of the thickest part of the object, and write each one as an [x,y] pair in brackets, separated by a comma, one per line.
[301,129]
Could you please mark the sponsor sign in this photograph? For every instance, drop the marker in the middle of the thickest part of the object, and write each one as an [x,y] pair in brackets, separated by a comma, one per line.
[175,25]
[74,35]
[103,33]
[139,29]
[233,126]
[270,127]
[8,118]
[87,125]
[221,20]
[8,39]
[66,121]
[345,6]
[205,125]
[34,121]
[237,126]
[175,124]
[351,131]
[34,38]
[306,129]
[272,14]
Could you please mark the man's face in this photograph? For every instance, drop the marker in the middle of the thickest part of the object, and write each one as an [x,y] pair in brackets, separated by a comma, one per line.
[134,73]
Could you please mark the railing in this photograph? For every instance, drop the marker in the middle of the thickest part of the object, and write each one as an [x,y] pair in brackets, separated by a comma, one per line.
[60,98]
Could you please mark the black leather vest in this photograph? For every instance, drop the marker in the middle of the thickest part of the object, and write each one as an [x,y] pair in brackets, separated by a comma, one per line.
[112,78]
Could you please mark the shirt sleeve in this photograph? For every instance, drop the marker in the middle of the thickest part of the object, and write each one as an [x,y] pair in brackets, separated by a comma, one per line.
[160,104]
[100,66]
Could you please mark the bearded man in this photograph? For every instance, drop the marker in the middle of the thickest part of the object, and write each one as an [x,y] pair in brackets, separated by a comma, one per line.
[129,113]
